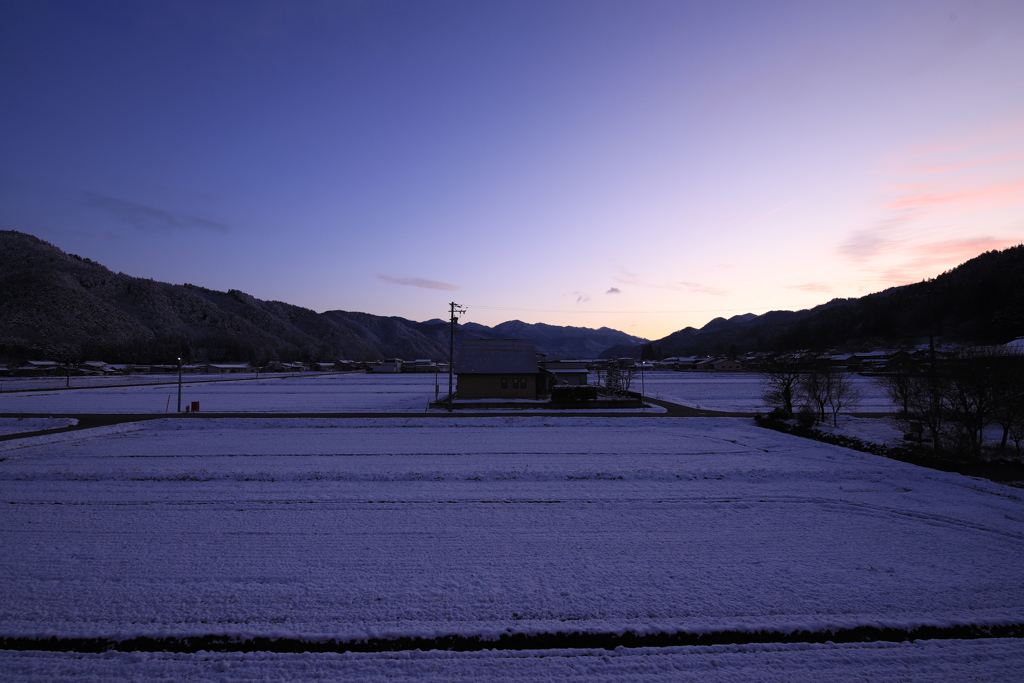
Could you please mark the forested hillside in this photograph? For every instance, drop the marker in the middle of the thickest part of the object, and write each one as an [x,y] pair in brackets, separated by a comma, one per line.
[980,301]
[60,306]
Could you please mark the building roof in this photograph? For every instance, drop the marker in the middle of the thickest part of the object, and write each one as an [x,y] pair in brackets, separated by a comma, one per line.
[496,356]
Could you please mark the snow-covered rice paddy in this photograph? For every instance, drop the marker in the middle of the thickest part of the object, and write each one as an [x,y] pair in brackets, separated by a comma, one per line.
[426,527]
[303,393]
[363,392]
[737,392]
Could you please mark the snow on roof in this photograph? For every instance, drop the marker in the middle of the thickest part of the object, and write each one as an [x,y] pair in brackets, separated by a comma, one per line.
[1016,345]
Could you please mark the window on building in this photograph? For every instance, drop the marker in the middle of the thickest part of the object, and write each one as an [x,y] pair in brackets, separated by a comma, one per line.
[515,382]
[504,382]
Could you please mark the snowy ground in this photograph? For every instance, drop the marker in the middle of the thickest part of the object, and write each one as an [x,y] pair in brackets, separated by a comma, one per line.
[307,392]
[372,527]
[15,425]
[90,381]
[737,392]
[361,392]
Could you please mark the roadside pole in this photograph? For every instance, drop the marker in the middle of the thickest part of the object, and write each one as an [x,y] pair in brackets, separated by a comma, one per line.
[454,308]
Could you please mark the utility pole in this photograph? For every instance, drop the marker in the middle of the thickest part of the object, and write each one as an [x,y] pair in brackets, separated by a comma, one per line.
[179,384]
[454,308]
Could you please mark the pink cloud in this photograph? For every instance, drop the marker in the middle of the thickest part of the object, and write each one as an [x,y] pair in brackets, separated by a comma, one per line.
[996,194]
[995,135]
[811,287]
[936,168]
[885,234]
[931,258]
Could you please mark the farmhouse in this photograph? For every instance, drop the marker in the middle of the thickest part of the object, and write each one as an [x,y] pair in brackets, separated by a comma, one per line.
[389,365]
[228,368]
[498,368]
[570,372]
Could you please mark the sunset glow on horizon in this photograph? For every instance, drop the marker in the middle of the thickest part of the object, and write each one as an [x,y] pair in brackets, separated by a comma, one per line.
[644,166]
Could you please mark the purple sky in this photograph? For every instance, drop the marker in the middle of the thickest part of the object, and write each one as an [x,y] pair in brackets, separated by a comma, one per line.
[638,165]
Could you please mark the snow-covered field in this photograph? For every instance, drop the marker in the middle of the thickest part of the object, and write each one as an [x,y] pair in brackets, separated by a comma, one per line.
[428,527]
[361,392]
[737,392]
[15,425]
[307,392]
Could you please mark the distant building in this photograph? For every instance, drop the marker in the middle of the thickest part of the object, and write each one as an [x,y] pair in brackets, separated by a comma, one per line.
[419,365]
[498,368]
[389,365]
[566,372]
[229,368]
[38,368]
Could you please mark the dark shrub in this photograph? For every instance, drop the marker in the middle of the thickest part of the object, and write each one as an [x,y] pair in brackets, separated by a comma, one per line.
[806,417]
[573,394]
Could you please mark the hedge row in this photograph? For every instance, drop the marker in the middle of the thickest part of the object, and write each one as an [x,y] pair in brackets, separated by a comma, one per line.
[573,394]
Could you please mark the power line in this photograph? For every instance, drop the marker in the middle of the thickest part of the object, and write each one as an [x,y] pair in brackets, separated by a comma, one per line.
[571,310]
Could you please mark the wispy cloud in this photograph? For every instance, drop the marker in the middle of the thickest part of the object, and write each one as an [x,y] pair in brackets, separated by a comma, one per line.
[998,134]
[149,218]
[811,287]
[628,278]
[885,234]
[994,194]
[748,221]
[917,259]
[417,282]
[614,290]
[946,168]
[946,202]
[930,258]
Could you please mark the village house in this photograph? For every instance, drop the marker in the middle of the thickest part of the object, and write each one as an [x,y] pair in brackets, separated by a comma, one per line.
[419,365]
[229,368]
[389,365]
[566,372]
[498,368]
[38,368]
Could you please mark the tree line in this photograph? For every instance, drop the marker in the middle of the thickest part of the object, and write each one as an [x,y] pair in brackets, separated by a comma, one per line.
[949,404]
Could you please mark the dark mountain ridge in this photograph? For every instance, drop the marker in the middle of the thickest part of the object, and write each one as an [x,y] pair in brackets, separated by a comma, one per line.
[60,306]
[979,302]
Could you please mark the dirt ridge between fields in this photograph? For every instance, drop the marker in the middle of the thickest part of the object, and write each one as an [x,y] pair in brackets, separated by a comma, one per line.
[512,641]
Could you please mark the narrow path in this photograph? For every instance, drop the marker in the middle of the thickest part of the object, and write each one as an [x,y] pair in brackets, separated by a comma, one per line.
[513,641]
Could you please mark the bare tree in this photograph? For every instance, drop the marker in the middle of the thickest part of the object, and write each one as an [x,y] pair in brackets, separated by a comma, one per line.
[827,389]
[968,399]
[1008,395]
[780,376]
[955,398]
[813,387]
[843,392]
